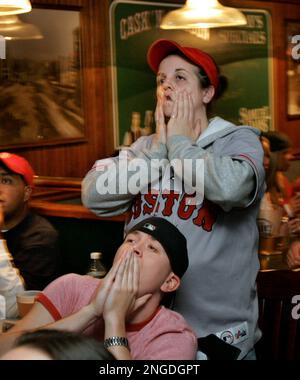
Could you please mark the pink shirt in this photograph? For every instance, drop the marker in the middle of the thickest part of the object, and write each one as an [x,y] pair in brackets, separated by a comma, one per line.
[165,337]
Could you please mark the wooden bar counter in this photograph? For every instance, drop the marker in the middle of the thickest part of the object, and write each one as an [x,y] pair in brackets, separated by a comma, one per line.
[61,197]
[80,231]
[59,200]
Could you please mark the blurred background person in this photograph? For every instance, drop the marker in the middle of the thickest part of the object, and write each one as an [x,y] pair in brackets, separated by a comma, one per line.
[56,345]
[281,193]
[31,239]
[281,150]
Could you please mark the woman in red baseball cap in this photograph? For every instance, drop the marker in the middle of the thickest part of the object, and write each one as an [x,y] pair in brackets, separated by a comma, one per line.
[187,81]
[218,293]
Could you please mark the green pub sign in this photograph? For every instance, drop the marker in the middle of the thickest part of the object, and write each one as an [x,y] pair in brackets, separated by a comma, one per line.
[242,53]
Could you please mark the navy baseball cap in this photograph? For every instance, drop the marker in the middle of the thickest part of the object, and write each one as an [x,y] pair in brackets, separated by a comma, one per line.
[172,240]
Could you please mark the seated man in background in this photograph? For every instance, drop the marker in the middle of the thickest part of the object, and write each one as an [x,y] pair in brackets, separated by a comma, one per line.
[125,308]
[31,239]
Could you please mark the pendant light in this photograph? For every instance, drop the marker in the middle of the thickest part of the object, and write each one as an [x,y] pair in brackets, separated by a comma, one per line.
[12,28]
[203,14]
[11,7]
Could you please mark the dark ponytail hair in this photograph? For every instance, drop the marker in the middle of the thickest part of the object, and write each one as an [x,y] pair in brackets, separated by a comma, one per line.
[64,345]
[205,83]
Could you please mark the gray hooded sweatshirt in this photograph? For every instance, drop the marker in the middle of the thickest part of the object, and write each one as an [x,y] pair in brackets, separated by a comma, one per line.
[218,292]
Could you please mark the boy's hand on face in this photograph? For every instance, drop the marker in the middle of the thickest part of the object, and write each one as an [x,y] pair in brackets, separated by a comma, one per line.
[122,299]
[97,303]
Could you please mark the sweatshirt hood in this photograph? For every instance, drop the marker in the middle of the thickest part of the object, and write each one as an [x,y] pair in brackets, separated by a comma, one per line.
[218,128]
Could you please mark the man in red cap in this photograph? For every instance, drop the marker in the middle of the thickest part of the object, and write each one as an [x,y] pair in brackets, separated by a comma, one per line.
[30,239]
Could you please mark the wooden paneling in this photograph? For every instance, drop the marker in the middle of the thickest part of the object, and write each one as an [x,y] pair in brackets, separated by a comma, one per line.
[54,208]
[74,160]
[60,197]
[59,3]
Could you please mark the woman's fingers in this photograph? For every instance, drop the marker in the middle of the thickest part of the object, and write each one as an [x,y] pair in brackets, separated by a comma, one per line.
[190,108]
[179,108]
[160,122]
[1,216]
[183,106]
[158,113]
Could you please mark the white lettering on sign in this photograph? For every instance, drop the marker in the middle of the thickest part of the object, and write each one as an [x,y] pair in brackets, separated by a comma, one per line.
[2,48]
[296,48]
[140,22]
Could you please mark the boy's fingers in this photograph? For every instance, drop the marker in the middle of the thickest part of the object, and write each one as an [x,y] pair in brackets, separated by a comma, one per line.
[136,273]
[112,272]
[129,272]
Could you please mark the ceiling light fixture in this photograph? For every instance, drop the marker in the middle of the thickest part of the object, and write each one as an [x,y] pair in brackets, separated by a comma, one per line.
[12,28]
[203,14]
[11,7]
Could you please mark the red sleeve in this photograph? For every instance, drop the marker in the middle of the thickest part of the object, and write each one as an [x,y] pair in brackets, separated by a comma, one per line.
[44,300]
[58,297]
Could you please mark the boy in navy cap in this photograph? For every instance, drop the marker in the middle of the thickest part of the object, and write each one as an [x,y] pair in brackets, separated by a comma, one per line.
[125,307]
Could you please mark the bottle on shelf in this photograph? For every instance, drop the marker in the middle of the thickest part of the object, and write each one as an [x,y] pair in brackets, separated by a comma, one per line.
[148,121]
[283,236]
[294,222]
[127,139]
[289,211]
[135,125]
[96,269]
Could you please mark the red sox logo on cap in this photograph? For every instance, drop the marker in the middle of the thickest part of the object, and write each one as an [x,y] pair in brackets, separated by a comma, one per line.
[150,226]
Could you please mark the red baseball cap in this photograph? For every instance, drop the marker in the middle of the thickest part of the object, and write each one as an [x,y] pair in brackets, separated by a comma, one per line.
[19,165]
[160,49]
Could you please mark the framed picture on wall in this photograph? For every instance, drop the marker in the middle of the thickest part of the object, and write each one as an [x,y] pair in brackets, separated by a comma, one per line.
[293,68]
[41,79]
